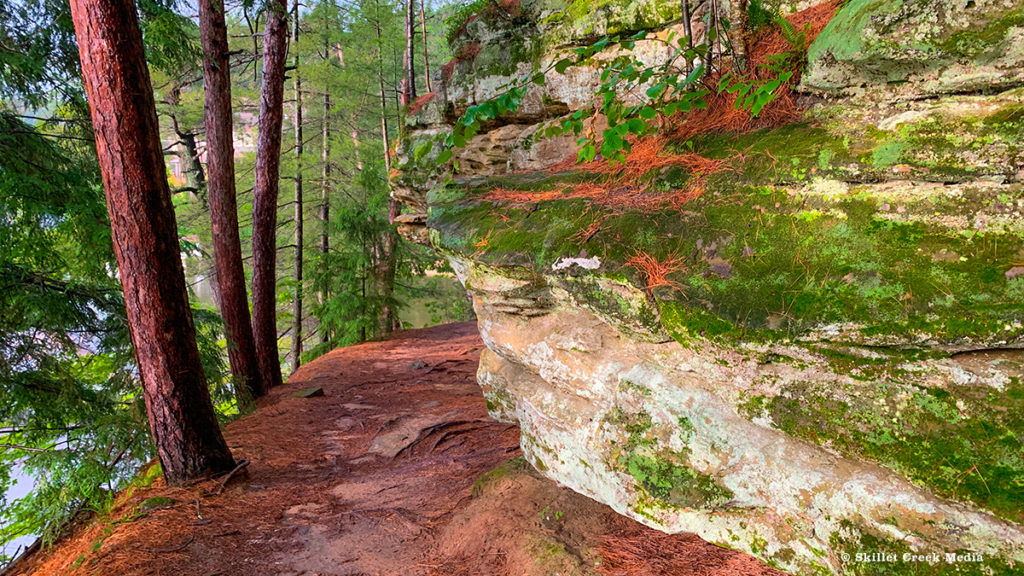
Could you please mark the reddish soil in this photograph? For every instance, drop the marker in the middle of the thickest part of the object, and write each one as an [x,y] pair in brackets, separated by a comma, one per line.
[322,494]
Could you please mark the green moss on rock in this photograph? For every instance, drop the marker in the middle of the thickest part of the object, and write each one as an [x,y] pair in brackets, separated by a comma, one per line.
[963,442]
[663,475]
[879,41]
[865,554]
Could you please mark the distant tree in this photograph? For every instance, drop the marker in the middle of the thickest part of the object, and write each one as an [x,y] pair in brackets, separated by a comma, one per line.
[409,60]
[299,213]
[181,417]
[324,213]
[426,45]
[268,165]
[220,161]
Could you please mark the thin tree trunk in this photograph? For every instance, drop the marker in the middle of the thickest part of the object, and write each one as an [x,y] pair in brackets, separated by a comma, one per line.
[386,269]
[268,166]
[423,39]
[738,33]
[297,304]
[383,101]
[188,439]
[409,90]
[385,264]
[688,30]
[325,203]
[355,142]
[227,247]
[187,151]
[713,23]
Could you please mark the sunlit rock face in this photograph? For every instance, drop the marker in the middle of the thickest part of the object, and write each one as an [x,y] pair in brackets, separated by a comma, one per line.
[821,354]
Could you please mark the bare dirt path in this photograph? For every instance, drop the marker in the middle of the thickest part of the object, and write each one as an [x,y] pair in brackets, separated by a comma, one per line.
[395,470]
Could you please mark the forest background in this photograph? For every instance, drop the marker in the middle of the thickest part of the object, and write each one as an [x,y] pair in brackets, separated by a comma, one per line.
[73,427]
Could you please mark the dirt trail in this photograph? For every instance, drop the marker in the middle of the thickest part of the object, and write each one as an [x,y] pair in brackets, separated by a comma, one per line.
[395,469]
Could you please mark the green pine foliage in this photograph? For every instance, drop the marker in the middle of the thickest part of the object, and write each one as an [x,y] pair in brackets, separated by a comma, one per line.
[71,411]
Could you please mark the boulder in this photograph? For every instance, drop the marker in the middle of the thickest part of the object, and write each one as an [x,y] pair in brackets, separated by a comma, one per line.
[812,347]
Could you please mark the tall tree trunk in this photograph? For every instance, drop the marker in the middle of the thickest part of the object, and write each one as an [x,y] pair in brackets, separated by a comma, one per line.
[383,101]
[423,39]
[386,269]
[385,264]
[409,89]
[325,201]
[181,417]
[268,165]
[227,247]
[297,303]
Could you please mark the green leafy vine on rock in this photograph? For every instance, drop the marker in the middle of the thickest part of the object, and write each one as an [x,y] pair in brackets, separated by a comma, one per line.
[635,98]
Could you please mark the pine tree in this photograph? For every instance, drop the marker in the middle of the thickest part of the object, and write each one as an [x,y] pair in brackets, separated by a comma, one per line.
[227,248]
[181,416]
[297,120]
[268,164]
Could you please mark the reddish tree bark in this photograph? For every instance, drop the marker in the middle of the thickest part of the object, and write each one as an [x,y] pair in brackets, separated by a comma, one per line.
[268,165]
[181,417]
[220,162]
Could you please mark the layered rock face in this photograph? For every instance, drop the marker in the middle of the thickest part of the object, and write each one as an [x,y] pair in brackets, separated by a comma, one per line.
[817,351]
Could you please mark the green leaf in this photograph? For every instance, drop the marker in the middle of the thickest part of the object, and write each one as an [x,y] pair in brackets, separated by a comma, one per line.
[444,157]
[656,91]
[648,113]
[422,150]
[562,65]
[611,143]
[695,75]
[587,153]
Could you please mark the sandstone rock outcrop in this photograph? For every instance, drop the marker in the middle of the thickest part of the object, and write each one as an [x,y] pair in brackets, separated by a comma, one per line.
[823,354]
